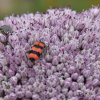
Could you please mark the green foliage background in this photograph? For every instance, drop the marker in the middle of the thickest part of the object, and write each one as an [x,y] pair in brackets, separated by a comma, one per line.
[9,7]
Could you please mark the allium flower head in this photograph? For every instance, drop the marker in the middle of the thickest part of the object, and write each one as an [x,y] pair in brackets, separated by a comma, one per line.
[70,70]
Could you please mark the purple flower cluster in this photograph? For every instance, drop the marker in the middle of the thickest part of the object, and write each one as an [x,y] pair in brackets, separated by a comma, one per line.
[71,68]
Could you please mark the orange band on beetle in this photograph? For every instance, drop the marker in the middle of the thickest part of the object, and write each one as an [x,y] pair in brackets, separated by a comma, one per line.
[31,55]
[41,44]
[36,43]
[37,49]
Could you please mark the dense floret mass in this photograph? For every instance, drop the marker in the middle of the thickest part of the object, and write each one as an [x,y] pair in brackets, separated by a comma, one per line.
[70,70]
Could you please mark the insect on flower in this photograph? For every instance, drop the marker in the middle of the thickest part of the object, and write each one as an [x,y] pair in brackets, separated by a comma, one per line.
[37,51]
[5,29]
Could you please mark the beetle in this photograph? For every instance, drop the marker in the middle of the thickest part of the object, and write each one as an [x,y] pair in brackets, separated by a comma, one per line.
[37,51]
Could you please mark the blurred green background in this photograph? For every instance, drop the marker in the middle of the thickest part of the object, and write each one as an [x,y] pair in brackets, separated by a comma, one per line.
[9,7]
